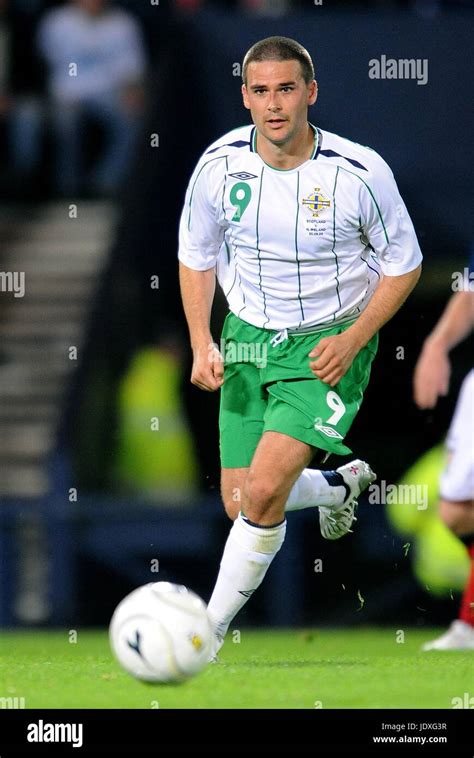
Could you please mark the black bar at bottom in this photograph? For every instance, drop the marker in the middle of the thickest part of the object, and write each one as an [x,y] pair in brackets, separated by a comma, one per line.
[261,732]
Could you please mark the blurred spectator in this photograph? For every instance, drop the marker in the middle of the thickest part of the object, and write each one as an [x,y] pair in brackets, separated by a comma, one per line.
[21,92]
[96,65]
[4,56]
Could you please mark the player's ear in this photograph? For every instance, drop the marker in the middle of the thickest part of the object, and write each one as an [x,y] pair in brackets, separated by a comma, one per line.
[313,92]
[245,96]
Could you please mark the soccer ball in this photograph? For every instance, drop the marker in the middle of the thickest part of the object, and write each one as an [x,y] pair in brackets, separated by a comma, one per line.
[161,632]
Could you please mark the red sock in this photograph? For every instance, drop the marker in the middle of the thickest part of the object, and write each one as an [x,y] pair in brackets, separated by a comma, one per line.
[467,604]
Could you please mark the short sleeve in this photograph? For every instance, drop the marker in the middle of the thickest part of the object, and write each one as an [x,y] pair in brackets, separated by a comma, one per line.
[387,223]
[200,233]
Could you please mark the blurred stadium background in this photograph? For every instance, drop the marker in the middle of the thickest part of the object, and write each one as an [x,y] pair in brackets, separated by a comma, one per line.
[108,456]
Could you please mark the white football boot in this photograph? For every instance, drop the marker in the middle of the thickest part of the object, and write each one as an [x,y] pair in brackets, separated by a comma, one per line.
[459,636]
[336,521]
[217,644]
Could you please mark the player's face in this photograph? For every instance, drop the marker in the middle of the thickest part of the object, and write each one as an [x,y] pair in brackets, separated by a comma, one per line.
[278,98]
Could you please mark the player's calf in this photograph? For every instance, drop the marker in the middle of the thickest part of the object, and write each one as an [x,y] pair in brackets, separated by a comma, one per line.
[232,490]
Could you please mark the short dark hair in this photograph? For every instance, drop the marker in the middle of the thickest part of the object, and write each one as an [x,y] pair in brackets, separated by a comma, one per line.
[279,49]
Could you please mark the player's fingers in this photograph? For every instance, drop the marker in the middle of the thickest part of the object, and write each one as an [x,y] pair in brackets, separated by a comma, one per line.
[317,351]
[205,381]
[205,387]
[331,377]
[335,378]
[327,365]
[319,370]
[421,392]
[324,360]
[444,389]
[426,399]
[218,370]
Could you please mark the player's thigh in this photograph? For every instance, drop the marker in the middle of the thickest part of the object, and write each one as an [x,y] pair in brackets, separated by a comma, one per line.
[304,407]
[232,489]
[458,516]
[278,462]
[241,412]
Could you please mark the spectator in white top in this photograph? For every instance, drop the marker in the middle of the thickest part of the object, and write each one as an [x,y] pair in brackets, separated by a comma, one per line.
[96,62]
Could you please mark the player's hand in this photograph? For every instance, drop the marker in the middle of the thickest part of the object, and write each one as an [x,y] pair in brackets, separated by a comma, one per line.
[431,377]
[332,358]
[208,368]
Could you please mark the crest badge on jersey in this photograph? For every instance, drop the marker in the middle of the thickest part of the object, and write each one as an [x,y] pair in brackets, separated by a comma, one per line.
[316,202]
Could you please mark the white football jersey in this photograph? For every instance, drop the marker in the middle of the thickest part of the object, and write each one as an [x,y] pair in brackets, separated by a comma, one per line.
[296,248]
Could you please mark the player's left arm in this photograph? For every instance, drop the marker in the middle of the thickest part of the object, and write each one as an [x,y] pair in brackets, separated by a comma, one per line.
[390,231]
[335,354]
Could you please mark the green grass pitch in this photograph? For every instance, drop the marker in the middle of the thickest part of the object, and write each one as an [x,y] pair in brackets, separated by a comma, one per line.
[362,668]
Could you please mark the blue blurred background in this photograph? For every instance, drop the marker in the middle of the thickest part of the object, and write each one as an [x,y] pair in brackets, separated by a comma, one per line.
[108,456]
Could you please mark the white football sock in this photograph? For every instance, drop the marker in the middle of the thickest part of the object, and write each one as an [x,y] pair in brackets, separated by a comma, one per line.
[248,552]
[313,488]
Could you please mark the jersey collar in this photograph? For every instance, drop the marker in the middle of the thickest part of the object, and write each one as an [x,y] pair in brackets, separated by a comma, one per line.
[314,154]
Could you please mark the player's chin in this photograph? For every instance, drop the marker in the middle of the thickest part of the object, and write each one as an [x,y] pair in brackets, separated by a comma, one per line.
[277,136]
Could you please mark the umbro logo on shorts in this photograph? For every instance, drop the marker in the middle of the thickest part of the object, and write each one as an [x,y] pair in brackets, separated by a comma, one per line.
[328,431]
[243,175]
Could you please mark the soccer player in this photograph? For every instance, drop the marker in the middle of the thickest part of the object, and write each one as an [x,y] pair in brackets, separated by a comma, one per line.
[315,251]
[456,507]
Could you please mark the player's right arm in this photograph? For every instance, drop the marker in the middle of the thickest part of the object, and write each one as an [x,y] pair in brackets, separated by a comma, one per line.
[433,368]
[197,293]
[200,238]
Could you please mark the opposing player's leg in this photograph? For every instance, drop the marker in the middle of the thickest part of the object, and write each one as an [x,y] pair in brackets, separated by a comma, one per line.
[259,530]
[459,517]
[456,509]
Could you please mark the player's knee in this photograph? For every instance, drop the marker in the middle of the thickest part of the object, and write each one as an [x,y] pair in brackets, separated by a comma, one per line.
[261,496]
[456,516]
[232,507]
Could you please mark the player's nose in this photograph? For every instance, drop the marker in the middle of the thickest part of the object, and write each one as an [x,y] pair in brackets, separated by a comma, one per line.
[273,103]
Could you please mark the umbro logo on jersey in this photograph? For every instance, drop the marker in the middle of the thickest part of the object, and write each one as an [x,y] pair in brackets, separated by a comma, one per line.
[243,175]
[316,202]
[328,431]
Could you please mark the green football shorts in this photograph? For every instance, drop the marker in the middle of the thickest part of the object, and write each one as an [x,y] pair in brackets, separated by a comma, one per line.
[268,386]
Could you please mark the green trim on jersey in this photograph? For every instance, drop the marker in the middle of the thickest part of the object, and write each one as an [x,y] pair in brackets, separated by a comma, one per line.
[296,243]
[373,198]
[315,149]
[334,240]
[218,157]
[258,248]
[271,388]
[224,187]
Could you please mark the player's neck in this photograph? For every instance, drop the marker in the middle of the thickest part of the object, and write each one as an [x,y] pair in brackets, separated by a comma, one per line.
[290,155]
